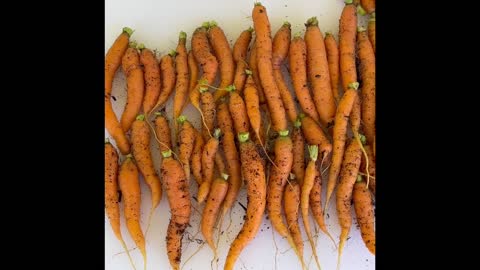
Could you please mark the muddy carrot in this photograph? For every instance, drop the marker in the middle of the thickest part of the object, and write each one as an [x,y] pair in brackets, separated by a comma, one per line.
[152,78]
[135,86]
[113,58]
[182,83]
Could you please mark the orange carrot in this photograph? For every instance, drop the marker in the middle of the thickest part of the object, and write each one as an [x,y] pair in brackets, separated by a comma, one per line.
[371,31]
[252,64]
[291,202]
[281,44]
[319,74]
[114,128]
[178,195]
[186,143]
[168,78]
[196,160]
[346,41]
[252,105]
[314,135]
[193,71]
[368,5]
[208,161]
[111,194]
[152,78]
[333,64]
[316,204]
[298,166]
[162,131]
[130,188]
[135,86]
[298,71]
[113,58]
[362,202]
[240,49]
[207,107]
[238,111]
[181,86]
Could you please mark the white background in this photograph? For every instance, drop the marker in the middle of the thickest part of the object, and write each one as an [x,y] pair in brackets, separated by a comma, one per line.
[157,24]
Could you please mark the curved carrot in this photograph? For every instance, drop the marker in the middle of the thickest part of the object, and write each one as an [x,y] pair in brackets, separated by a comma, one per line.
[208,161]
[135,86]
[193,71]
[314,135]
[291,203]
[316,204]
[114,127]
[186,142]
[265,69]
[113,58]
[298,71]
[281,44]
[152,78]
[162,131]
[167,70]
[111,194]
[254,174]
[348,175]
[181,85]
[298,142]
[318,73]
[238,111]
[252,64]
[333,64]
[368,5]
[225,58]
[240,49]
[371,31]
[178,195]
[130,188]
[362,202]
[207,107]
[196,160]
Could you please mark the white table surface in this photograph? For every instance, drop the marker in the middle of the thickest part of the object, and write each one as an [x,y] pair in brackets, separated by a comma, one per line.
[157,24]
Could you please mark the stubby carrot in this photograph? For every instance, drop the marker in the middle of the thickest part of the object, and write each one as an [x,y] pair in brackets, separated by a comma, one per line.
[113,58]
[333,64]
[362,202]
[181,85]
[240,49]
[135,86]
[114,127]
[152,78]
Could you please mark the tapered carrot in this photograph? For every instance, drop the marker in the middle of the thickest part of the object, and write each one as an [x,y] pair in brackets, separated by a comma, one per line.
[240,49]
[291,203]
[186,142]
[135,86]
[178,195]
[162,131]
[167,70]
[193,71]
[196,161]
[346,44]
[318,73]
[152,78]
[225,58]
[308,183]
[371,31]
[368,5]
[130,188]
[316,204]
[208,161]
[113,58]
[367,74]
[238,111]
[252,65]
[281,44]
[212,207]
[182,83]
[348,176]
[208,63]
[362,202]
[207,107]
[111,194]
[314,135]
[114,127]
[298,141]
[339,137]
[298,71]
[225,123]
[265,68]
[371,167]
[143,156]
[253,172]
[333,64]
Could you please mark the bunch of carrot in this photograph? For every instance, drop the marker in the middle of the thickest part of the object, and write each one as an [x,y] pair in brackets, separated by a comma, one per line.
[227,149]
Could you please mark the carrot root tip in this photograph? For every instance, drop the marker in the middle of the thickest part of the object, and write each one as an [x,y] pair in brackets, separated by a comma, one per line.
[127,30]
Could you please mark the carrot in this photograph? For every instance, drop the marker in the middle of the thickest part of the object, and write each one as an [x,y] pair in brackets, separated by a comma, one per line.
[298,71]
[207,61]
[339,137]
[348,175]
[208,159]
[135,86]
[178,195]
[371,31]
[265,68]
[111,194]
[219,160]
[291,202]
[143,156]
[367,74]
[276,184]
[371,167]
[225,123]
[307,186]
[196,161]
[281,44]
[252,64]
[114,128]
[253,172]
[238,110]
[346,41]
[333,64]
[314,135]
[181,85]
[362,202]
[207,107]
[130,188]
[113,58]
[225,58]
[240,49]
[252,105]
[152,78]
[162,130]
[168,79]
[193,71]
[368,5]
[212,206]
[186,143]
[319,73]
[298,141]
